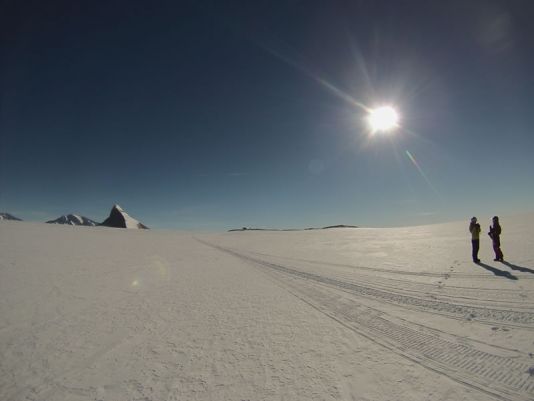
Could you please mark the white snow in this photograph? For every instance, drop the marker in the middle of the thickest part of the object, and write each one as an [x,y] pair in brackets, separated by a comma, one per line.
[80,220]
[130,221]
[346,314]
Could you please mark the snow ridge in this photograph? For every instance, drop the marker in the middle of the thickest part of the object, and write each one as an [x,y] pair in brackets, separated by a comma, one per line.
[73,220]
[7,216]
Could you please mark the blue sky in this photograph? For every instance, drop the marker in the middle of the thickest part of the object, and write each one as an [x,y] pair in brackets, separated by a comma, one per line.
[223,114]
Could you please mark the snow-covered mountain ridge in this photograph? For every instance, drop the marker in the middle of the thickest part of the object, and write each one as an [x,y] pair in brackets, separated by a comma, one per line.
[74,220]
[7,216]
[118,218]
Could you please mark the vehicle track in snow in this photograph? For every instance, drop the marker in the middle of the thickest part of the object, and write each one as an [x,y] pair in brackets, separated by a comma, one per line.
[516,298]
[505,376]
[487,315]
[398,272]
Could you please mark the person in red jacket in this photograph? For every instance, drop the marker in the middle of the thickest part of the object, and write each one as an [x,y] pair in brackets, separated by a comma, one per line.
[474,229]
[495,235]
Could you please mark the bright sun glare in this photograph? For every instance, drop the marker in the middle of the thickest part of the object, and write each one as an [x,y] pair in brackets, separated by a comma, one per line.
[383,119]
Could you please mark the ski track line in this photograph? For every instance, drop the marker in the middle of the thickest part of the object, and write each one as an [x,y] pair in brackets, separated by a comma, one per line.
[502,377]
[505,378]
[392,271]
[486,315]
[477,295]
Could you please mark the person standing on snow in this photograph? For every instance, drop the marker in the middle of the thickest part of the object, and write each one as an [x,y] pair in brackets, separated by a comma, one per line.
[495,233]
[474,229]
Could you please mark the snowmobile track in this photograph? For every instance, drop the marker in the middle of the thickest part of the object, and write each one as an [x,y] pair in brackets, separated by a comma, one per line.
[391,271]
[502,298]
[504,377]
[513,318]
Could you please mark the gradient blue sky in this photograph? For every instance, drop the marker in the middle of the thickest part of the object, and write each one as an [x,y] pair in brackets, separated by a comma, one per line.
[223,114]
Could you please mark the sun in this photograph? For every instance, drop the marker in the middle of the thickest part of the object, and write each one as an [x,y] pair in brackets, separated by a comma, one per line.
[383,119]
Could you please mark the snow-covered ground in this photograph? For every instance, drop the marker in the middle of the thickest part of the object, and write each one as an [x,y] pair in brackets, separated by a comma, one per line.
[94,313]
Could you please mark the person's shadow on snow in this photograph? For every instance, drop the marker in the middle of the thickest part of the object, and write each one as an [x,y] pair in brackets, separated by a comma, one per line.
[497,272]
[518,268]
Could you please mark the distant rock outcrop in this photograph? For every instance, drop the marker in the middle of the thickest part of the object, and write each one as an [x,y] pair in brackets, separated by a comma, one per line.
[7,216]
[340,226]
[292,229]
[73,220]
[120,219]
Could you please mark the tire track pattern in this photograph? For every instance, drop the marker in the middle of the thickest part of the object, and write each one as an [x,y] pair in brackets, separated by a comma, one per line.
[504,377]
[516,318]
[392,271]
[449,293]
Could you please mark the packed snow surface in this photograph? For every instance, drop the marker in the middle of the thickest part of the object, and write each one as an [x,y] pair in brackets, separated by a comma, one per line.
[92,313]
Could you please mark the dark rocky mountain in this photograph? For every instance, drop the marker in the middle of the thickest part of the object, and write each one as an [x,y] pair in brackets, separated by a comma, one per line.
[292,229]
[73,220]
[339,226]
[120,219]
[7,216]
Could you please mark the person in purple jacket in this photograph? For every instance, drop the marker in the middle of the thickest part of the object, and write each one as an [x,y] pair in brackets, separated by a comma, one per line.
[495,235]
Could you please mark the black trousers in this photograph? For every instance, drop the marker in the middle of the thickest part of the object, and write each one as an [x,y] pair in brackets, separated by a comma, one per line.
[476,246]
[497,249]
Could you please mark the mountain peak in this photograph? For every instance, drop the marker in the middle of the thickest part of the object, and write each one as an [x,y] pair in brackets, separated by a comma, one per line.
[7,216]
[73,220]
[120,219]
[117,207]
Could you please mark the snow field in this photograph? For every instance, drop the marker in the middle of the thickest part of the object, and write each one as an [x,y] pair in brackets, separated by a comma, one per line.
[109,314]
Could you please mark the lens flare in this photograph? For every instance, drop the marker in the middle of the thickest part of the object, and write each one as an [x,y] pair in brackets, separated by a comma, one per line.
[421,172]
